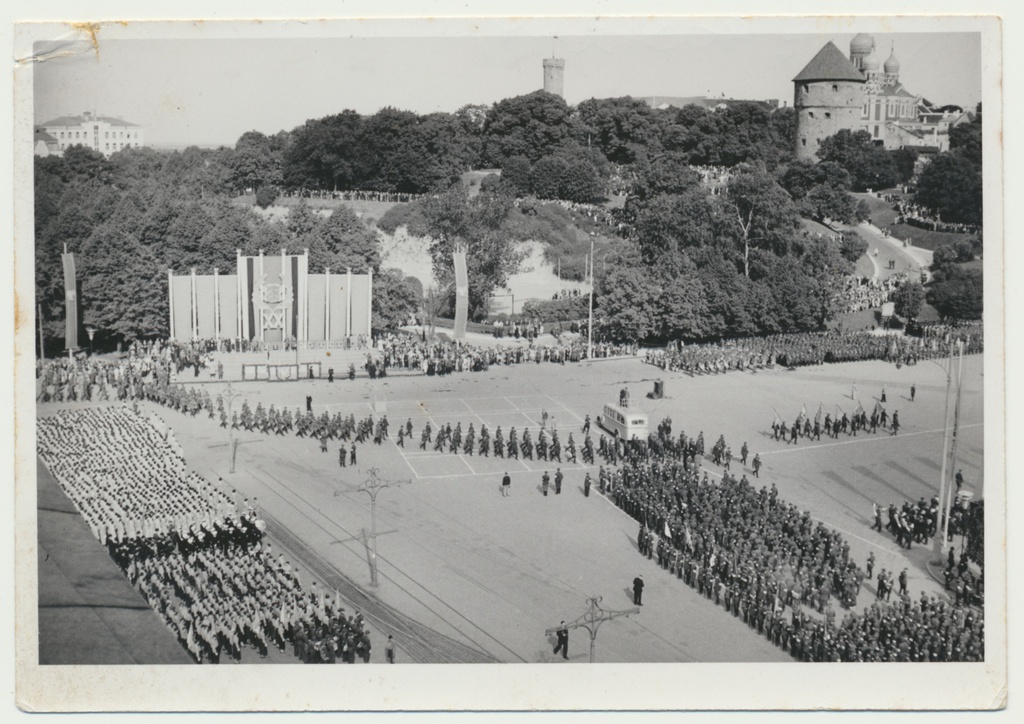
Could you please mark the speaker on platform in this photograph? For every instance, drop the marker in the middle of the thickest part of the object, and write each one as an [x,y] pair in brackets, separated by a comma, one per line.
[659,389]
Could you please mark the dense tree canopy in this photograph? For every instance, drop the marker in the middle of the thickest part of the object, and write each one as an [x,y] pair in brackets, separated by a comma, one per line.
[477,225]
[763,212]
[696,262]
[131,218]
[737,133]
[531,126]
[396,298]
[869,166]
[254,163]
[965,140]
[623,129]
[951,186]
[959,294]
[711,265]
[908,299]
[323,152]
[820,190]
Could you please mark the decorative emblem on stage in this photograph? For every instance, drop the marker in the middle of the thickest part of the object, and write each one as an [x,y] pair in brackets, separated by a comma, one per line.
[273,318]
[272,300]
[268,294]
[273,293]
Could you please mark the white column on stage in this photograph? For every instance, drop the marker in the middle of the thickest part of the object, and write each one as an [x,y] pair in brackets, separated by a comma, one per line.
[369,301]
[348,304]
[327,305]
[241,284]
[216,303]
[302,300]
[195,307]
[285,286]
[259,290]
[170,298]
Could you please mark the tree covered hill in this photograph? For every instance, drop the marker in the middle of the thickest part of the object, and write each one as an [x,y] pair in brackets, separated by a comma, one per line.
[686,259]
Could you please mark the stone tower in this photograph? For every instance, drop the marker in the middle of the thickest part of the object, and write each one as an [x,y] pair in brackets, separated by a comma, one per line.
[828,96]
[554,69]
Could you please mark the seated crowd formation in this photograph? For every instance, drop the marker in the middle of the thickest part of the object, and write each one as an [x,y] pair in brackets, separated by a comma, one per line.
[198,557]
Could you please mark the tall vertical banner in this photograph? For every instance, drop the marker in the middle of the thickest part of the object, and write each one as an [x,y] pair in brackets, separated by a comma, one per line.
[461,293]
[70,301]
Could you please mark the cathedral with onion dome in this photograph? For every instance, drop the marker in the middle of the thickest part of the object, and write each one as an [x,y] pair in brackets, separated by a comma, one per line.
[862,93]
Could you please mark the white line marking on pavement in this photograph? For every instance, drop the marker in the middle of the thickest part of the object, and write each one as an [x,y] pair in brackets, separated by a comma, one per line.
[564,407]
[473,412]
[852,535]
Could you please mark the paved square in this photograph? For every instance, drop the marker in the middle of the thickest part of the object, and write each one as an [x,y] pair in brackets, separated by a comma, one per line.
[495,572]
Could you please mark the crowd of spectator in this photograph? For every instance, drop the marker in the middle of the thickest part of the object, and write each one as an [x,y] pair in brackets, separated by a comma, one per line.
[594,213]
[715,178]
[910,213]
[196,553]
[350,195]
[858,294]
[445,357]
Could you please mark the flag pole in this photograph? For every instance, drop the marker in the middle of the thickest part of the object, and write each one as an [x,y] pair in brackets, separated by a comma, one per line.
[940,536]
[42,353]
[953,445]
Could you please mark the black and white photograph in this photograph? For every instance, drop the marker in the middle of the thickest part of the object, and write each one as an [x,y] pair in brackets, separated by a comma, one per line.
[548,363]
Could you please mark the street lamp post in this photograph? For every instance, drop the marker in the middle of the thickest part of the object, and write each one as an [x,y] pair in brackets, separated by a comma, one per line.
[91,331]
[944,488]
[592,619]
[956,427]
[230,393]
[372,487]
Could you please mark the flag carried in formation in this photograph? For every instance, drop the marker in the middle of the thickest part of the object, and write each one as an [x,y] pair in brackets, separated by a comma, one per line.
[668,531]
[70,300]
[817,417]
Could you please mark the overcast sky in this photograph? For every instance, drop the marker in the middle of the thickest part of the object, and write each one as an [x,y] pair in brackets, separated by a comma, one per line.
[211,90]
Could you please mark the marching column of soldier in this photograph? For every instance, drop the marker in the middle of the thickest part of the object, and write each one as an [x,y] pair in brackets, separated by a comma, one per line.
[848,424]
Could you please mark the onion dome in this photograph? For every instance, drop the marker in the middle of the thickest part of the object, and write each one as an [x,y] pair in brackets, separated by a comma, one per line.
[862,44]
[892,65]
[871,62]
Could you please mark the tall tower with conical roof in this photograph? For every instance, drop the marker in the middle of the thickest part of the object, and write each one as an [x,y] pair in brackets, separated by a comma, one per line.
[554,69]
[828,96]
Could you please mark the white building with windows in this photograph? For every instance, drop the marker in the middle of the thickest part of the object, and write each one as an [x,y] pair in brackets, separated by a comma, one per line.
[100,133]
